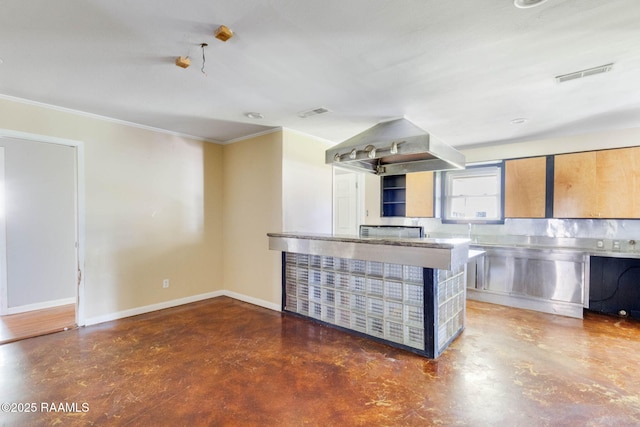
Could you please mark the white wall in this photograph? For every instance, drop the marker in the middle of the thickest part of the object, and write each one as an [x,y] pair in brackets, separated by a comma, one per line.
[372,198]
[306,184]
[40,214]
[567,144]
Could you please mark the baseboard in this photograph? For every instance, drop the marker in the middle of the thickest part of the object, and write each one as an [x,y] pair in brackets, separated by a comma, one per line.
[527,303]
[149,308]
[252,300]
[40,305]
[177,302]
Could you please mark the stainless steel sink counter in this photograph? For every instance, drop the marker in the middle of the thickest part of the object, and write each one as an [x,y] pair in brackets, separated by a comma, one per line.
[544,265]
[594,246]
[557,248]
[551,280]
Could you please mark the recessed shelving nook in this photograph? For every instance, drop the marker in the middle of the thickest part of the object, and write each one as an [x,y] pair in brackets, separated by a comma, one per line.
[394,195]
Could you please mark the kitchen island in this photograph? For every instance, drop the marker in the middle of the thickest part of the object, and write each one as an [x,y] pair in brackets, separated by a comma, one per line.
[409,293]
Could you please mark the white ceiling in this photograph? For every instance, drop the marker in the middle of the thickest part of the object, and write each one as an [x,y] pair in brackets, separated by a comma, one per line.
[462,69]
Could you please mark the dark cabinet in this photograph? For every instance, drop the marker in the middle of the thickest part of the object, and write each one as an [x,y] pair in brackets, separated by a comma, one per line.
[614,286]
[408,195]
[394,195]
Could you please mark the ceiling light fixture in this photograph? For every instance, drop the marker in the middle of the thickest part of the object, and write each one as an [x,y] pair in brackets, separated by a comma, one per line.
[223,33]
[204,60]
[254,115]
[519,121]
[525,4]
[183,62]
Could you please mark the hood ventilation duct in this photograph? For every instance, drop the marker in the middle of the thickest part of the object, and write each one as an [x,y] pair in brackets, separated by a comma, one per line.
[395,147]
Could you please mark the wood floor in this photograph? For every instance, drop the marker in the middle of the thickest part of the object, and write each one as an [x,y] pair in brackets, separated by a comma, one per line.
[16,327]
[222,362]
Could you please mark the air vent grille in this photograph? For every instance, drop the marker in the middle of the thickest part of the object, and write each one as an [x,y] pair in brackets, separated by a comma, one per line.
[313,112]
[584,73]
[524,4]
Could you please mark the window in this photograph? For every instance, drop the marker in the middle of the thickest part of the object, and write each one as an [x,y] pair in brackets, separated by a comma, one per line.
[473,195]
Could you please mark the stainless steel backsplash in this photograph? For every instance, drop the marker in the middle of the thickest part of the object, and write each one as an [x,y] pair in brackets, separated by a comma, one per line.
[613,235]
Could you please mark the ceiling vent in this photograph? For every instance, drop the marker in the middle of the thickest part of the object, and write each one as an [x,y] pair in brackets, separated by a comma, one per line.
[584,73]
[524,4]
[313,112]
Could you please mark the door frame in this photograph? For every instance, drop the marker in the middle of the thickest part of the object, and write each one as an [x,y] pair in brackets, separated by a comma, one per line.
[80,215]
[360,202]
[4,290]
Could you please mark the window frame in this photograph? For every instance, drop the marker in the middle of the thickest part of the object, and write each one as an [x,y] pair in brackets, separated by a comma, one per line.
[470,171]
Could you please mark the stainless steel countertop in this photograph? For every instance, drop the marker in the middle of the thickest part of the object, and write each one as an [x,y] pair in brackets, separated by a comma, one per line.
[475,253]
[445,254]
[426,242]
[572,249]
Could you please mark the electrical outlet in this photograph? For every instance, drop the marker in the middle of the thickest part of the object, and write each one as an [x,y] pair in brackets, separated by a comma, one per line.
[600,244]
[616,245]
[165,283]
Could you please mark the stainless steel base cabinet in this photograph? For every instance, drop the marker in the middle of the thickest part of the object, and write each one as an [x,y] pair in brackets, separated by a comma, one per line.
[548,280]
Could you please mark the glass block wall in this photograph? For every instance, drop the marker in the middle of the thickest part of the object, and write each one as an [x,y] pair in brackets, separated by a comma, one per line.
[451,304]
[393,302]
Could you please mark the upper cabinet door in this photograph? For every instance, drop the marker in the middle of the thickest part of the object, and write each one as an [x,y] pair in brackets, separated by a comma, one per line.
[525,188]
[618,182]
[597,184]
[420,194]
[574,182]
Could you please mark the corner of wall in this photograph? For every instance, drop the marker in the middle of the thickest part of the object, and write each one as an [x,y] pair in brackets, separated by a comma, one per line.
[252,207]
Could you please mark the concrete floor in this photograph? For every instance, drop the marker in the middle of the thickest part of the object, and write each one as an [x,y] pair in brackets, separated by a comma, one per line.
[222,362]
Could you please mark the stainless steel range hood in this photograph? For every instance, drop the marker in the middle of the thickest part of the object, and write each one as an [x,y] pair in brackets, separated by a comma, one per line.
[395,147]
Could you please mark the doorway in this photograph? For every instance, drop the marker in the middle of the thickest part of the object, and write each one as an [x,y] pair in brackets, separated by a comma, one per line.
[40,235]
[348,201]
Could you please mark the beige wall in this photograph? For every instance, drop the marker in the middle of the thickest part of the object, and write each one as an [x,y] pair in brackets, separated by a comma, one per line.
[162,206]
[252,207]
[153,208]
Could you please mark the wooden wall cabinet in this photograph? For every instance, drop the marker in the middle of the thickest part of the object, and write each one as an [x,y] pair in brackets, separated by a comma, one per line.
[420,194]
[525,188]
[574,185]
[597,184]
[618,183]
[408,195]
